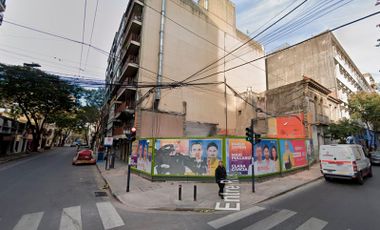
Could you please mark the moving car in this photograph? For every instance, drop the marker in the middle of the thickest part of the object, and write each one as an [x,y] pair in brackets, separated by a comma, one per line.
[84,155]
[344,162]
[375,157]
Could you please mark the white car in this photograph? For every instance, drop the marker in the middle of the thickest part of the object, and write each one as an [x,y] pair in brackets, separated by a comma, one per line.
[344,162]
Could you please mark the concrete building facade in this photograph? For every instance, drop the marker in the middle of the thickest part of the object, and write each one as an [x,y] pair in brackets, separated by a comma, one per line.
[151,51]
[323,59]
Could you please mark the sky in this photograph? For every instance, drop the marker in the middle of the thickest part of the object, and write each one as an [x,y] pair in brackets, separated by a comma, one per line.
[18,45]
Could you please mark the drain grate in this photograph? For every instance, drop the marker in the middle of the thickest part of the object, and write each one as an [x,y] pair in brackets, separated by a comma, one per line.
[100,194]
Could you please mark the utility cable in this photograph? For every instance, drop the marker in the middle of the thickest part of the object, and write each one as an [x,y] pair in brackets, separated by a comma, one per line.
[278,51]
[83,32]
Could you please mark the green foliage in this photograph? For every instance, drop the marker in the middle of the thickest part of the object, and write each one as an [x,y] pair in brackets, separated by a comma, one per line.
[344,128]
[36,95]
[365,106]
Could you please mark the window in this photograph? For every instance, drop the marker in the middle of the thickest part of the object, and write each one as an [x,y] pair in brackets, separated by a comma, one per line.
[206,4]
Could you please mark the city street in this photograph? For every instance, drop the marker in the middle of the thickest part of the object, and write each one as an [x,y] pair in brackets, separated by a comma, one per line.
[46,192]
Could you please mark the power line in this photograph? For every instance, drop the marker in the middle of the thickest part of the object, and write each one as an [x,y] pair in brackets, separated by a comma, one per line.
[267,55]
[263,31]
[92,32]
[83,31]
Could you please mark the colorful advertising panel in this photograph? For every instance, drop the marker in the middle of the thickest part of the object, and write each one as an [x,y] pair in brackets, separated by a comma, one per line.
[266,158]
[144,155]
[293,154]
[184,157]
[239,155]
[290,126]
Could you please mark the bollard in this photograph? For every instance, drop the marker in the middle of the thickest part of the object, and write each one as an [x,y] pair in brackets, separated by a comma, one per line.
[128,176]
[107,163]
[195,192]
[179,192]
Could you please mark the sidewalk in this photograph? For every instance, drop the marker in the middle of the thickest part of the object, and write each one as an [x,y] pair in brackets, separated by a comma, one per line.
[147,195]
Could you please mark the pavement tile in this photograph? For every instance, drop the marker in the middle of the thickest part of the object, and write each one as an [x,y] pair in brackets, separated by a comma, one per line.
[147,195]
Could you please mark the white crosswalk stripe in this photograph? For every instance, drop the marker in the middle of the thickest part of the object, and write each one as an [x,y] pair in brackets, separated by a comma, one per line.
[218,223]
[313,224]
[272,220]
[109,216]
[71,219]
[29,221]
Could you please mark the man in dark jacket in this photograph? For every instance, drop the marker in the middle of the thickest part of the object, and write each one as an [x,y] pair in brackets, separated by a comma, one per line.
[220,175]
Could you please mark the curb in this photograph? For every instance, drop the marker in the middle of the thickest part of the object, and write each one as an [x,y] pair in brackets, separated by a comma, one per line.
[25,155]
[109,187]
[289,190]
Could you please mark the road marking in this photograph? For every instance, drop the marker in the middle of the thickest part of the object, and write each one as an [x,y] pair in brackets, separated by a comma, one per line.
[29,221]
[108,214]
[313,224]
[71,219]
[272,220]
[218,223]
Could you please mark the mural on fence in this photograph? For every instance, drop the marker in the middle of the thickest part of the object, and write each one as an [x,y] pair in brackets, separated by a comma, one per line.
[187,157]
[239,155]
[293,154]
[141,157]
[266,159]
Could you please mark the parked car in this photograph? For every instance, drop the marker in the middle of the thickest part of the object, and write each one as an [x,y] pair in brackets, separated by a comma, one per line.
[375,157]
[84,156]
[344,162]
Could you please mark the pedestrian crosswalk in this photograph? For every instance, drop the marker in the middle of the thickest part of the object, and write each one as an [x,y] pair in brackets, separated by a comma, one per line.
[71,218]
[272,221]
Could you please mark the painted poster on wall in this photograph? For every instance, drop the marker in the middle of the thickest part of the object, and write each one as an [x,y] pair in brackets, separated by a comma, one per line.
[133,157]
[291,126]
[293,154]
[194,157]
[144,156]
[266,158]
[239,155]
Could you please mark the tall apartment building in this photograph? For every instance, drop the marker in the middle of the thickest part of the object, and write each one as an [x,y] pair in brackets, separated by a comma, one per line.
[323,59]
[166,41]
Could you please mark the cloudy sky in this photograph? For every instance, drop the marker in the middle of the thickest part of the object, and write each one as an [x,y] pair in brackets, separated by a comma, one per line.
[18,45]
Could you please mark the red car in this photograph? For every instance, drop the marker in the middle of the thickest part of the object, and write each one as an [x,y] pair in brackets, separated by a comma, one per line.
[84,156]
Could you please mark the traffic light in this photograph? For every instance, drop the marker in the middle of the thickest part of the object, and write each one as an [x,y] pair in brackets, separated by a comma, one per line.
[257,138]
[131,134]
[249,134]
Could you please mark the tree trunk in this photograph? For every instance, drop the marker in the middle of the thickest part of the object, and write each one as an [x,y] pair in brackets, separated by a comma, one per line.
[36,142]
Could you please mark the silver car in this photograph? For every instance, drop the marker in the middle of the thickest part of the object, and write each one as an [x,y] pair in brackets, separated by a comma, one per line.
[375,157]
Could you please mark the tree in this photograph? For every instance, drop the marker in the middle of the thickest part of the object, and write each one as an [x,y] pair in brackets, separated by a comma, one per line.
[37,94]
[365,106]
[90,113]
[344,128]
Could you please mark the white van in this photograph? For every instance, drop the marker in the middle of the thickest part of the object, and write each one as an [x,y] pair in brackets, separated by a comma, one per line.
[345,162]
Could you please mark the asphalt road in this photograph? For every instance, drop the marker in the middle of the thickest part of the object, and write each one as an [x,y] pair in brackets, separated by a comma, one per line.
[321,205]
[47,192]
[36,191]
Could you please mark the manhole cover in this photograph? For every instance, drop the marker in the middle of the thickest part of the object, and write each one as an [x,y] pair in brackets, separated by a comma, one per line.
[99,194]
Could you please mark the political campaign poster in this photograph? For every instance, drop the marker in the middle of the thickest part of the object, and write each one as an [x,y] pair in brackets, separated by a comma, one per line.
[266,158]
[239,155]
[293,154]
[187,157]
[144,156]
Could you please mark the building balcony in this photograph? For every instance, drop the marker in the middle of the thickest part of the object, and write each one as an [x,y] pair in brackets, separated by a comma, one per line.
[322,119]
[132,46]
[129,69]
[125,111]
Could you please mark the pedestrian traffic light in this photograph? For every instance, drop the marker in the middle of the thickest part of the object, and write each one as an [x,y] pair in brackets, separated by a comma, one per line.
[131,134]
[257,138]
[249,134]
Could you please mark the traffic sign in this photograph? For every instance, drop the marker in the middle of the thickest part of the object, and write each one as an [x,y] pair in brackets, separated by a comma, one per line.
[108,141]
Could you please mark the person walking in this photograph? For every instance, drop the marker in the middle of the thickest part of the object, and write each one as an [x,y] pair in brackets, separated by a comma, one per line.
[220,175]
